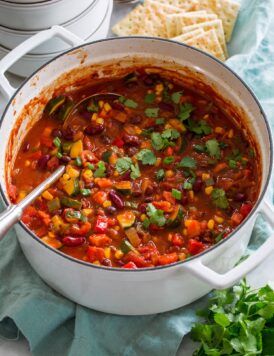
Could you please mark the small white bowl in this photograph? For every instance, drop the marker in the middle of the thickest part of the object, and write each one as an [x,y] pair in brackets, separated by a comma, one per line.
[30,15]
[30,62]
[83,26]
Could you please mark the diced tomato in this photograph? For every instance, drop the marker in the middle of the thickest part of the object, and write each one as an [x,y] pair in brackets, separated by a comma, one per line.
[163,205]
[169,151]
[12,192]
[82,230]
[53,163]
[168,258]
[177,240]
[193,228]
[245,209]
[36,155]
[99,240]
[46,141]
[28,214]
[130,265]
[95,254]
[168,196]
[100,197]
[195,247]
[101,224]
[118,142]
[88,156]
[236,219]
[137,259]
[44,217]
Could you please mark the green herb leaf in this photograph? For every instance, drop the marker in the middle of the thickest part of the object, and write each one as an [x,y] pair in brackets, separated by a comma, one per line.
[187,162]
[152,112]
[160,121]
[150,98]
[199,148]
[219,198]
[176,96]
[92,106]
[232,164]
[171,134]
[200,128]
[128,102]
[187,185]
[57,142]
[123,164]
[146,156]
[101,169]
[156,216]
[168,160]
[185,111]
[213,148]
[160,175]
[176,194]
[135,171]
[157,141]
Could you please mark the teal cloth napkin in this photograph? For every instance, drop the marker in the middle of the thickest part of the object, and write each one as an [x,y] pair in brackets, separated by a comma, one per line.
[55,326]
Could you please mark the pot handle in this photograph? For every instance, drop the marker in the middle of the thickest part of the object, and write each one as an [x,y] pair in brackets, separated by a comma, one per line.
[26,46]
[221,281]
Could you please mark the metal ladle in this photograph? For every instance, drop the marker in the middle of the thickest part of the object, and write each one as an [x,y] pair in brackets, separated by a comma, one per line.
[14,212]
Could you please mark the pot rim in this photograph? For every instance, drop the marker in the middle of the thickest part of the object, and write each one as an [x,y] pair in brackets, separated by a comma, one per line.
[179,263]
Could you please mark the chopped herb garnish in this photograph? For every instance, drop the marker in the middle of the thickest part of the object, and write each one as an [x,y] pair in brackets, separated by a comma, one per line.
[176,194]
[175,97]
[147,157]
[199,128]
[213,148]
[146,223]
[92,106]
[157,141]
[160,121]
[147,132]
[152,112]
[123,164]
[85,192]
[168,160]
[90,166]
[160,141]
[135,171]
[57,142]
[101,169]
[171,134]
[59,155]
[209,182]
[160,175]
[156,216]
[219,237]
[187,162]
[232,164]
[199,148]
[106,155]
[187,185]
[150,98]
[128,102]
[219,198]
[185,111]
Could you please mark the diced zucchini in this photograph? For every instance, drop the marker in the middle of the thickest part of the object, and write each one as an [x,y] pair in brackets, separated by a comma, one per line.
[73,216]
[126,219]
[54,205]
[123,186]
[126,247]
[65,110]
[71,203]
[71,186]
[66,146]
[54,104]
[106,155]
[133,236]
[176,217]
[76,149]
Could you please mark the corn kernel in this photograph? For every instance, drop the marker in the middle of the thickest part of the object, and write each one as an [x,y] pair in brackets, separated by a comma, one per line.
[97,263]
[87,174]
[182,256]
[138,131]
[219,130]
[116,174]
[159,88]
[51,242]
[94,116]
[27,163]
[210,224]
[187,223]
[118,254]
[51,235]
[21,195]
[230,133]
[99,120]
[107,252]
[208,190]
[170,86]
[185,232]
[101,104]
[46,195]
[169,237]
[106,203]
[66,177]
[191,194]
[205,176]
[107,107]
[72,172]
[113,159]
[87,212]
[117,228]
[169,173]
[143,217]
[218,219]
[206,117]
[158,162]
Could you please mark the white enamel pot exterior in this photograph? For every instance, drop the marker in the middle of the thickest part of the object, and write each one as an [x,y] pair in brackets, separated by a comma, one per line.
[142,291]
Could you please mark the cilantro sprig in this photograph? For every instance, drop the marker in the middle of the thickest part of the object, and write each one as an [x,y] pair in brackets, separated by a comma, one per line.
[155,216]
[162,140]
[146,156]
[125,164]
[219,198]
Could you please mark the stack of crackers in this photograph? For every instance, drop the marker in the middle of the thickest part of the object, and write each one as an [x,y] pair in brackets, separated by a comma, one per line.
[204,24]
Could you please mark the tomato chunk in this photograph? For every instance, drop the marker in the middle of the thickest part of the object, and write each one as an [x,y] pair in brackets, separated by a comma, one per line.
[168,258]
[245,209]
[130,265]
[95,254]
[100,240]
[195,247]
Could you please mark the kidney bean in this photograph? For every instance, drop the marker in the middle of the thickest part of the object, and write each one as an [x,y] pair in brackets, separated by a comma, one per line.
[69,133]
[240,197]
[131,151]
[56,133]
[65,159]
[94,128]
[117,106]
[142,207]
[151,79]
[148,199]
[116,199]
[86,115]
[42,162]
[198,185]
[26,147]
[53,163]
[107,262]
[136,119]
[73,241]
[89,185]
[110,210]
[87,143]
[184,198]
[166,106]
[136,189]
[131,140]
[125,176]
[106,139]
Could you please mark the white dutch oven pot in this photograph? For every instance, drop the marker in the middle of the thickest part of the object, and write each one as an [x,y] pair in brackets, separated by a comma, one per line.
[142,291]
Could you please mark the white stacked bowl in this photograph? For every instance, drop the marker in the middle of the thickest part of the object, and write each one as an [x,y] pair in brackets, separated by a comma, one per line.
[21,19]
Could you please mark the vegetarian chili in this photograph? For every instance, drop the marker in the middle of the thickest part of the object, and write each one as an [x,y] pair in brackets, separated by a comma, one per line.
[153,176]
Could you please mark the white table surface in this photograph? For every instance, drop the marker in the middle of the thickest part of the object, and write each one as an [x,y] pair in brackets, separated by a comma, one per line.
[259,277]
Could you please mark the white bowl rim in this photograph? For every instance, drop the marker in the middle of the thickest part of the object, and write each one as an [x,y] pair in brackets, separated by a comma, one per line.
[179,263]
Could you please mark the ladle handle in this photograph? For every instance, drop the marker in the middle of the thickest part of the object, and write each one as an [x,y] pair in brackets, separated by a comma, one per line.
[8,218]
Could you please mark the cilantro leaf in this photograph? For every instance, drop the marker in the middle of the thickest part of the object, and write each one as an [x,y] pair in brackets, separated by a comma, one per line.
[232,164]
[135,171]
[157,141]
[156,216]
[213,148]
[185,111]
[160,121]
[128,102]
[123,164]
[146,156]
[160,175]
[171,134]
[176,194]
[152,112]
[187,162]
[176,96]
[219,198]
[150,98]
[200,128]
[101,169]
[168,160]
